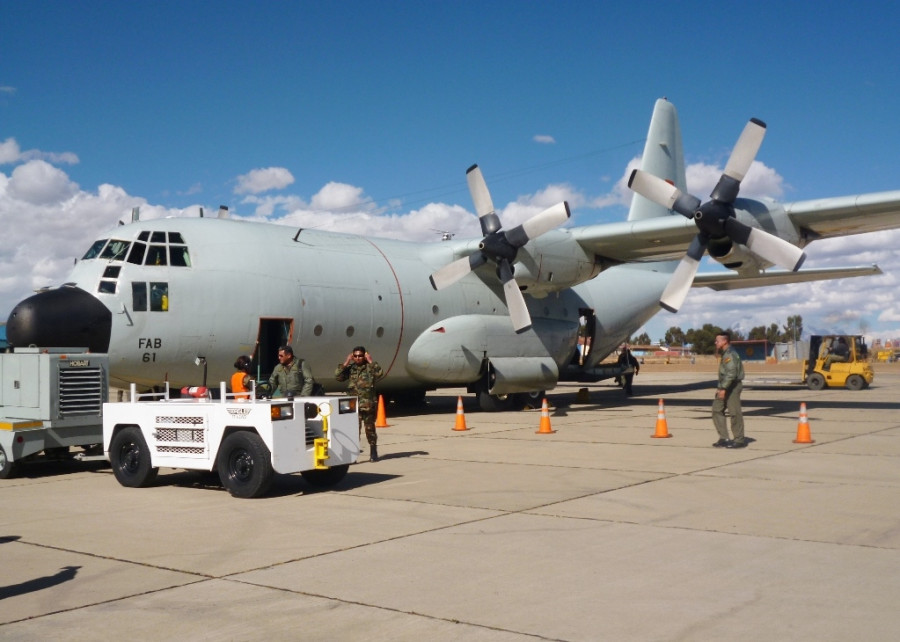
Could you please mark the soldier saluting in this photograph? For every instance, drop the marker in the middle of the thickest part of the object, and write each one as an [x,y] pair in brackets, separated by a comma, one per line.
[361,371]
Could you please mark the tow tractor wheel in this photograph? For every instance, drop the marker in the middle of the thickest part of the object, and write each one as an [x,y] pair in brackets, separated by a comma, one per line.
[130,458]
[816,381]
[245,465]
[7,465]
[325,477]
[855,382]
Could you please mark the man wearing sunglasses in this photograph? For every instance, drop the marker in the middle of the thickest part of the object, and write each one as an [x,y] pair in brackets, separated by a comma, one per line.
[291,377]
[362,372]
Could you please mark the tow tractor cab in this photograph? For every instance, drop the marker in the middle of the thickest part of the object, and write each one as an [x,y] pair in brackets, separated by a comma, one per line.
[852,371]
[247,440]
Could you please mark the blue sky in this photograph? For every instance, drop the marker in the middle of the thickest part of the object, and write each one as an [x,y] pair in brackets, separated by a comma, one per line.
[363,116]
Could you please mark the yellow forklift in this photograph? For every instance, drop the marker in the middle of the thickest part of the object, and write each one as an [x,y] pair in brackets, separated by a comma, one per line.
[837,360]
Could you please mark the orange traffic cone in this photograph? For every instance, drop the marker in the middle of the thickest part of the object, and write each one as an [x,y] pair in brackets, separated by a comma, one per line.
[460,416]
[662,428]
[380,417]
[803,436]
[545,420]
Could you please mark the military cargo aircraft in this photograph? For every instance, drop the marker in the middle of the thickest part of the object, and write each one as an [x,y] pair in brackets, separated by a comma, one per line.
[500,315]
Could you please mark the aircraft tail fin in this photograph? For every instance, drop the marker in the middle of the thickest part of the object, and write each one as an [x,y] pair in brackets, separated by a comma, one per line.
[663,157]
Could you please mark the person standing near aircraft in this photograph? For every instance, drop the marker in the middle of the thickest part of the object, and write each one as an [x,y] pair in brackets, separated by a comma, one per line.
[240,380]
[292,376]
[361,371]
[630,367]
[728,395]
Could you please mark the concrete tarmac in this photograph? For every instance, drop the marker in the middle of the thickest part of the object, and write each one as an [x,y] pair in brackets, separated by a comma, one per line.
[597,531]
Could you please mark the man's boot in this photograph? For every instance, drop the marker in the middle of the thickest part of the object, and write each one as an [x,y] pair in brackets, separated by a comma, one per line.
[373,452]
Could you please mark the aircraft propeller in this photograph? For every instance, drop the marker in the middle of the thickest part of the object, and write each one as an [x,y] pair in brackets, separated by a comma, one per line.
[500,247]
[715,218]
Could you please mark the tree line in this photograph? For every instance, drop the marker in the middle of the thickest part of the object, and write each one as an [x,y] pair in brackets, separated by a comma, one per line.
[702,340]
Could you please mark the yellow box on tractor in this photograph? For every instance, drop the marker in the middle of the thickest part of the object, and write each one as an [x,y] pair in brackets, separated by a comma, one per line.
[837,360]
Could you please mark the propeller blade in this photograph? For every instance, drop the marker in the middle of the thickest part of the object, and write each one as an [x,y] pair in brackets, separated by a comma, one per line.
[453,272]
[518,311]
[538,224]
[662,192]
[745,149]
[484,206]
[768,246]
[776,250]
[683,277]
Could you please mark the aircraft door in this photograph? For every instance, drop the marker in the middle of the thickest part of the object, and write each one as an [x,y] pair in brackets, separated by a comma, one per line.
[273,333]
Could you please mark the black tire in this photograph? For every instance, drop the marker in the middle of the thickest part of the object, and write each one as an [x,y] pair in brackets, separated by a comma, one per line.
[495,403]
[245,465]
[529,399]
[815,381]
[130,458]
[8,467]
[325,477]
[855,382]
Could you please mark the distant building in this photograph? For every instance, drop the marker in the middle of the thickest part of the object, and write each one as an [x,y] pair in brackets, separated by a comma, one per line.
[754,349]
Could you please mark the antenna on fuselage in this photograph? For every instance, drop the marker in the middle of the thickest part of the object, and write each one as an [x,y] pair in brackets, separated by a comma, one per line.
[223,211]
[201,212]
[135,214]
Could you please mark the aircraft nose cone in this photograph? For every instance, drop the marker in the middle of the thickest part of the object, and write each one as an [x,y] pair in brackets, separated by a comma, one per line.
[67,317]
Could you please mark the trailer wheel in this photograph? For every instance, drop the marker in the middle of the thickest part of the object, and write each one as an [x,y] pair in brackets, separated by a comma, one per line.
[855,382]
[325,477]
[245,464]
[7,466]
[816,381]
[130,458]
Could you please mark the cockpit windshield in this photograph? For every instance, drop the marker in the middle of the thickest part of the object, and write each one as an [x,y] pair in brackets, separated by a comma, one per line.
[165,249]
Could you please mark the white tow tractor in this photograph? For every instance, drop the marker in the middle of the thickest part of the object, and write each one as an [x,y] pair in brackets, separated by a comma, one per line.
[247,440]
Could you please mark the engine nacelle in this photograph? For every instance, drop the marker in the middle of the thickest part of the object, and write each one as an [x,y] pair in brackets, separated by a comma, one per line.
[764,214]
[554,262]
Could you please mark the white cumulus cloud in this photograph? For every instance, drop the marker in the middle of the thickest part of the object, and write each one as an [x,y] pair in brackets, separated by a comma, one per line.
[263,180]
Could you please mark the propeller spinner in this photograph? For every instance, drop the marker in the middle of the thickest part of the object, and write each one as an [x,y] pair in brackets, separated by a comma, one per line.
[715,218]
[500,247]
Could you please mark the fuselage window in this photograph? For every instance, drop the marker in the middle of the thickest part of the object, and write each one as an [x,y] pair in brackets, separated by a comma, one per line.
[156,255]
[178,255]
[159,297]
[112,271]
[107,287]
[94,250]
[139,297]
[115,250]
[137,253]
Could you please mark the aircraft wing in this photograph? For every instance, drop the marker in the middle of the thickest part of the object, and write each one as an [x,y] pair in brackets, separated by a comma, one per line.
[734,281]
[845,215]
[651,239]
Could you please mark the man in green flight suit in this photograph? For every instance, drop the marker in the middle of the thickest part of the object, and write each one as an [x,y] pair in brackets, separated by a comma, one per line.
[362,373]
[291,376]
[728,395]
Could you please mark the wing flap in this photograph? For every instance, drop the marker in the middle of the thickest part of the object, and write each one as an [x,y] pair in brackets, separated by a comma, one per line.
[733,281]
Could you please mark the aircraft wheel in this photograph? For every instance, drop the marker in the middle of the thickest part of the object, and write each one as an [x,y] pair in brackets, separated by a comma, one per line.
[245,464]
[7,466]
[495,403]
[815,381]
[130,458]
[325,477]
[855,382]
[530,399]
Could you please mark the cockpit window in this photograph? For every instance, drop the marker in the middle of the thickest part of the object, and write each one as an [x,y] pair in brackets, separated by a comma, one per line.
[144,236]
[158,237]
[94,250]
[115,250]
[136,255]
[175,237]
[178,256]
[156,255]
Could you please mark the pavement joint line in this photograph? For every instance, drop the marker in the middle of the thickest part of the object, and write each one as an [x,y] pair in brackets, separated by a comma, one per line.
[390,609]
